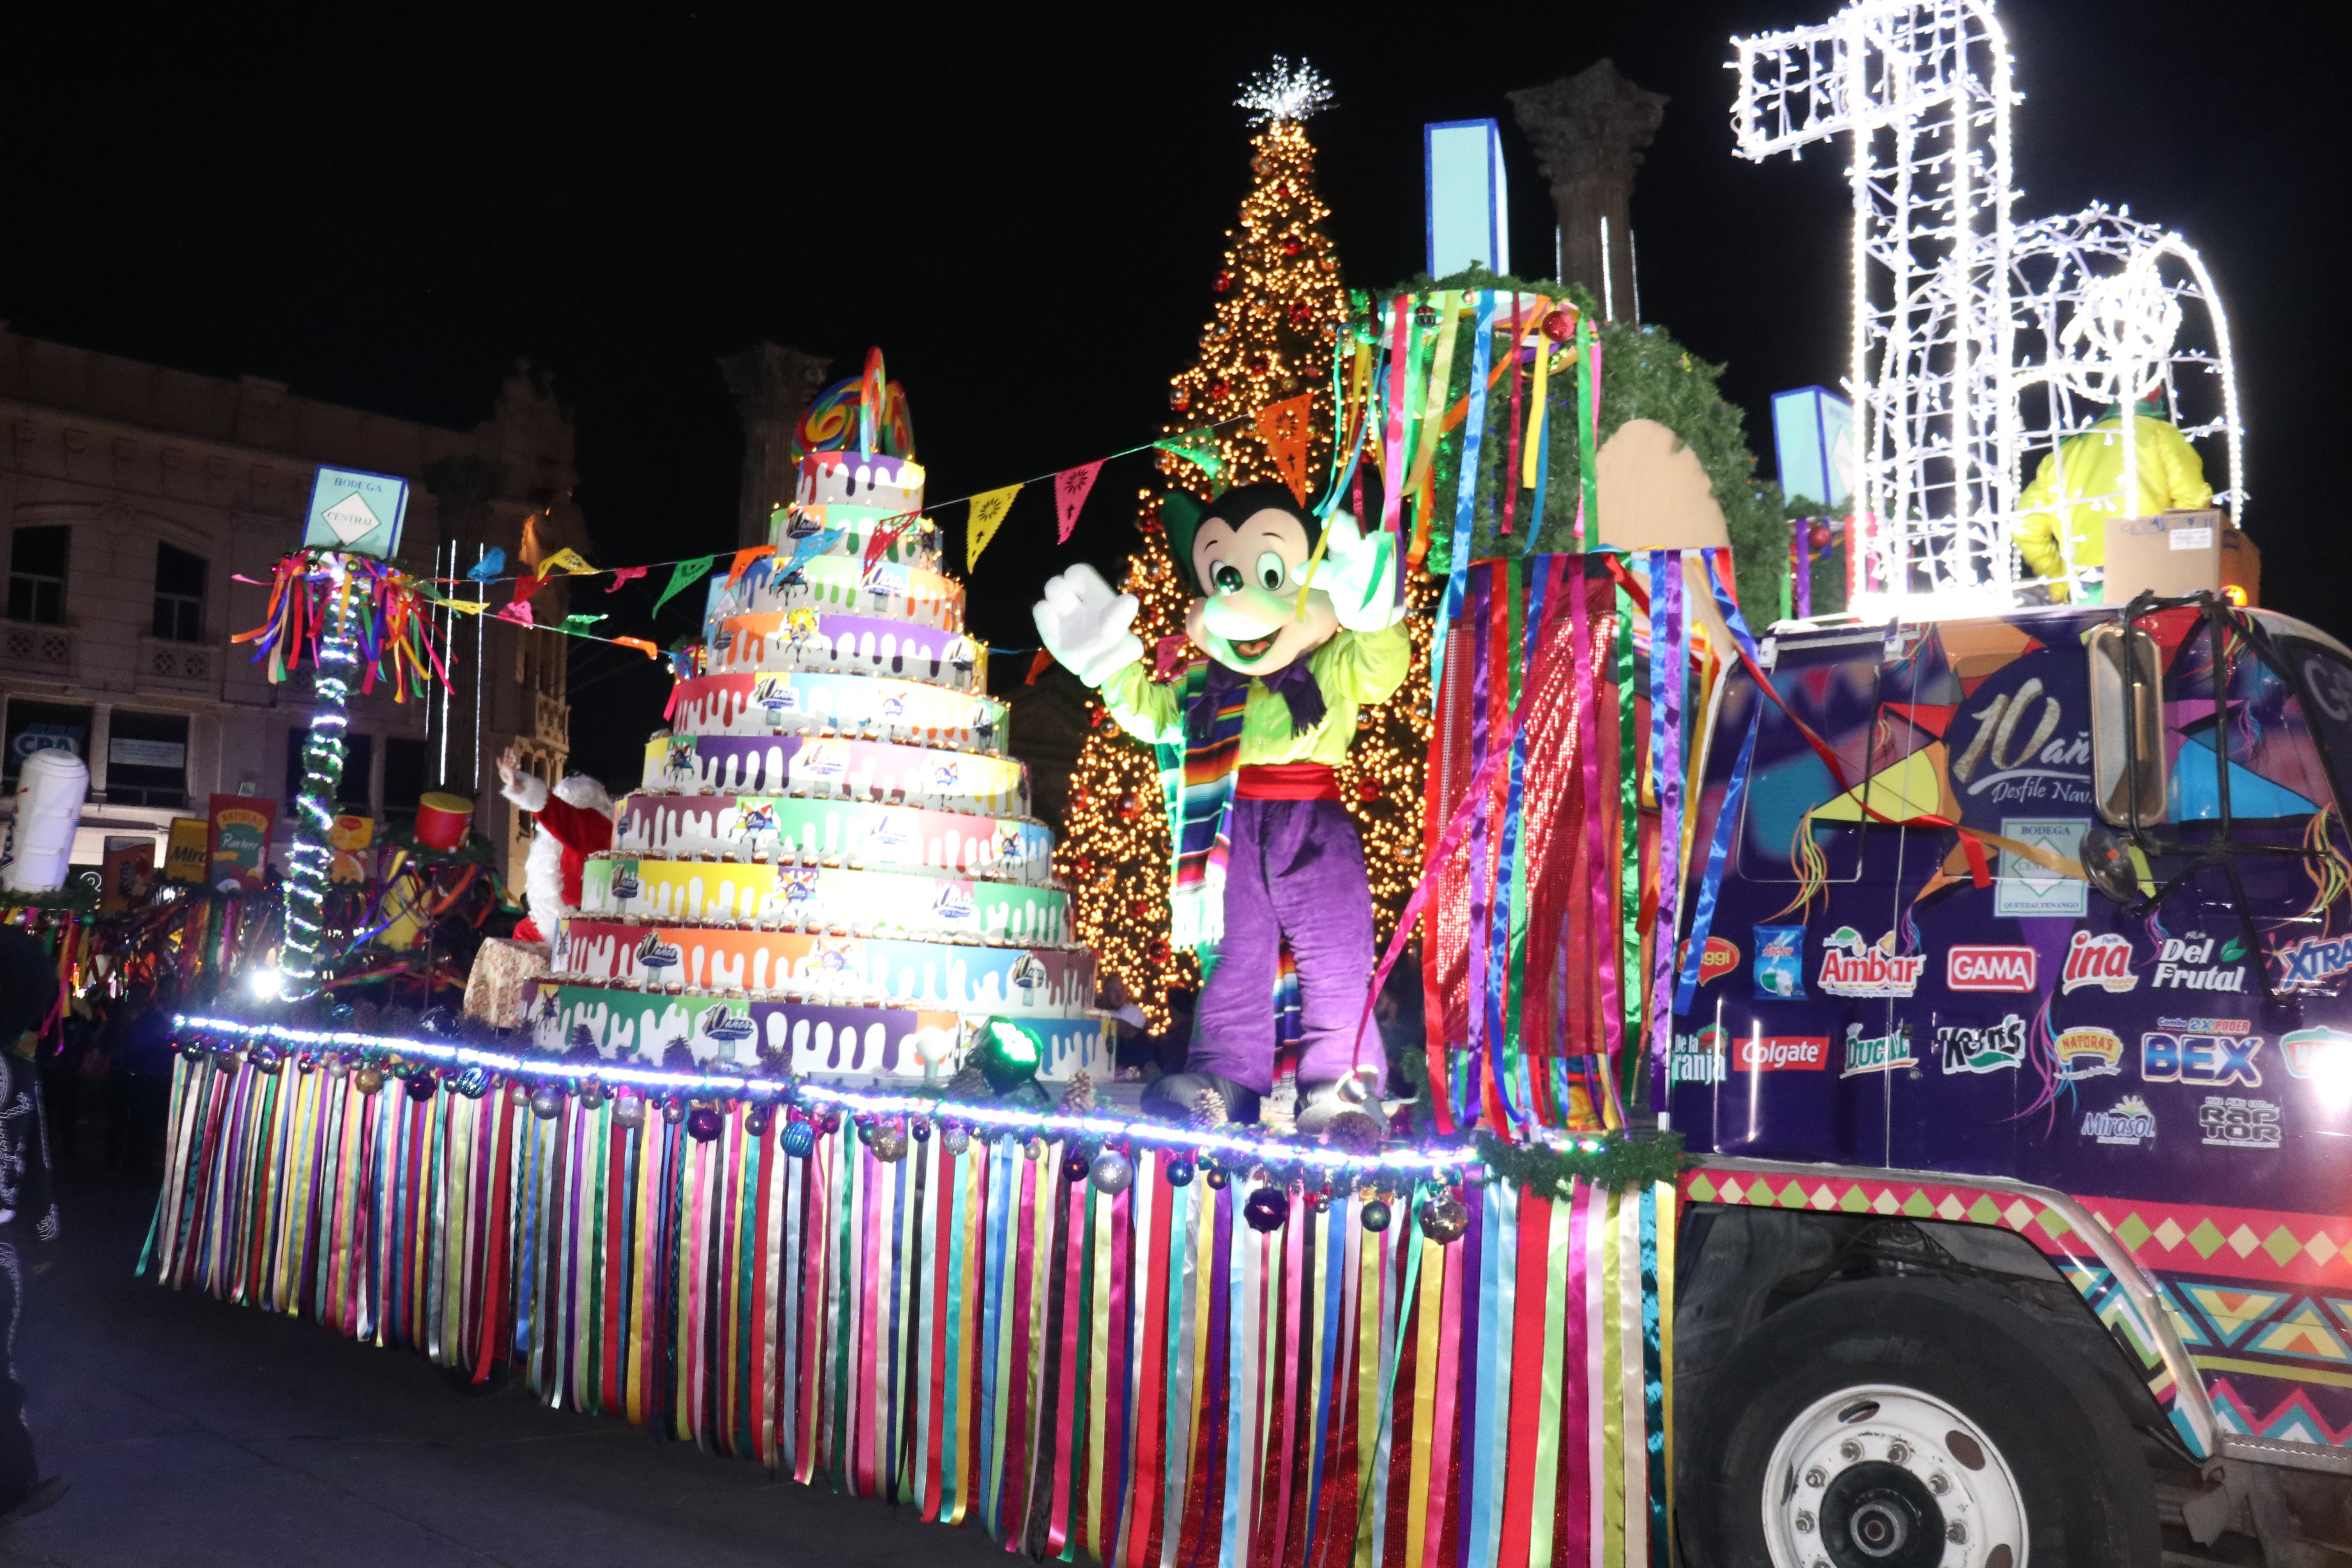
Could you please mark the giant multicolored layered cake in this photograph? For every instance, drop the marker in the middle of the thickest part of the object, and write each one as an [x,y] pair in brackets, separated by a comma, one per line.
[831,859]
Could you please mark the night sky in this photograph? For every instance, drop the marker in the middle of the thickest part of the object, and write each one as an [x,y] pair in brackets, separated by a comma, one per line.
[1024,210]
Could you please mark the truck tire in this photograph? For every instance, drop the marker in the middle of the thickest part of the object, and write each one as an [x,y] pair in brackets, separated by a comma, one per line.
[1911,1424]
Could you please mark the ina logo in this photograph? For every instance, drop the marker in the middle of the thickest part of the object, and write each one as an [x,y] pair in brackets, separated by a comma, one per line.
[2104,960]
[1851,969]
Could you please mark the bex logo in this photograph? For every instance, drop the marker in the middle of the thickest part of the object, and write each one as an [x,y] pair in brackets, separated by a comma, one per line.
[2212,1060]
[1990,969]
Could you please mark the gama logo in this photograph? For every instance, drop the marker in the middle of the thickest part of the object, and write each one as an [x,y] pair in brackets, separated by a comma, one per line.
[1781,1053]
[2088,1053]
[1991,969]
[1851,969]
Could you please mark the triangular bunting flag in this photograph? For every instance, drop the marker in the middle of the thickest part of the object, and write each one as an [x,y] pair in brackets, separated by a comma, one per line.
[567,561]
[987,512]
[622,574]
[878,542]
[1070,488]
[743,559]
[1283,426]
[685,576]
[1198,448]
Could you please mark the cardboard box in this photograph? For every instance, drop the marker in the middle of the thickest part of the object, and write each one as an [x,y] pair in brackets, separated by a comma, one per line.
[2176,553]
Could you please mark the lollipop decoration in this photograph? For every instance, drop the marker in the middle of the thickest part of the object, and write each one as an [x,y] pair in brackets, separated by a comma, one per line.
[867,410]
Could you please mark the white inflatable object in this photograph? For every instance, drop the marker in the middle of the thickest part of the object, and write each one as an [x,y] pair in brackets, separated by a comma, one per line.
[49,792]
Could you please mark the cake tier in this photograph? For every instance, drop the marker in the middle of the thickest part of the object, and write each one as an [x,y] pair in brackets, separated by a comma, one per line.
[859,478]
[855,835]
[906,537]
[889,590]
[805,702]
[813,640]
[935,906]
[969,977]
[877,770]
[821,1037]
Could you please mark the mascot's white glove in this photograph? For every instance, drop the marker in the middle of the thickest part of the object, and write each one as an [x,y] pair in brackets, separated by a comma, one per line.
[1360,572]
[1084,625]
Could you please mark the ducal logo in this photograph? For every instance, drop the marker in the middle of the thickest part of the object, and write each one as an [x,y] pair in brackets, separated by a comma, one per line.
[1998,1047]
[1781,1053]
[1990,969]
[2234,1123]
[2321,1054]
[1701,1058]
[719,1024]
[2213,1061]
[2130,1123]
[1851,969]
[1880,1053]
[2104,960]
[2313,961]
[2088,1053]
[2189,964]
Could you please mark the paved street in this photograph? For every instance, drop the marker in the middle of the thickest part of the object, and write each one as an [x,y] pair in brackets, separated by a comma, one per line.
[196,1433]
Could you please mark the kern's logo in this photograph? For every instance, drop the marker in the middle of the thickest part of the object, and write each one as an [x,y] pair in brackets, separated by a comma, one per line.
[2313,961]
[2129,1124]
[1880,1053]
[1781,1053]
[2104,960]
[1999,1047]
[2212,1062]
[1990,969]
[1701,1058]
[1851,969]
[1715,959]
[2088,1053]
[2191,963]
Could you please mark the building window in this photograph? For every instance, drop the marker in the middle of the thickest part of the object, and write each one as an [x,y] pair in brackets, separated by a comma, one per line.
[179,595]
[147,759]
[36,574]
[406,764]
[359,761]
[33,726]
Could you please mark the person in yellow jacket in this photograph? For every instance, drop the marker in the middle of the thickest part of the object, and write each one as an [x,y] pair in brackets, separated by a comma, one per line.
[2169,477]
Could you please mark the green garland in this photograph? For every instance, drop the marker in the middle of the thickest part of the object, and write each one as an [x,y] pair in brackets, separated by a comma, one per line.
[1617,1162]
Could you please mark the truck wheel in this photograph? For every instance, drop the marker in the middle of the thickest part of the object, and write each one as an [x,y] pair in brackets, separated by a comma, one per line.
[1910,1424]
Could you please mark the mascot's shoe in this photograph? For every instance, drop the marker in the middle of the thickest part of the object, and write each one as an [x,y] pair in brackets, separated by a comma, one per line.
[1343,1111]
[1200,1100]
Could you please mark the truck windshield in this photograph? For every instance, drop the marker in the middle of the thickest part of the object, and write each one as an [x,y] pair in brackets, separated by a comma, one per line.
[2326,678]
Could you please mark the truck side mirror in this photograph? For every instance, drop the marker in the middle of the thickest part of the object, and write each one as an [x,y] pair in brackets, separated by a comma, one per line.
[2127,726]
[2107,860]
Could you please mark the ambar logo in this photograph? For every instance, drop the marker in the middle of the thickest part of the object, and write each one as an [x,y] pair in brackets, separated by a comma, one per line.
[1991,969]
[1781,1053]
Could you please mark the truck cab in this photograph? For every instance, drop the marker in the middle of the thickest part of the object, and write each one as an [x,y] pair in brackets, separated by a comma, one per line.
[2018,1078]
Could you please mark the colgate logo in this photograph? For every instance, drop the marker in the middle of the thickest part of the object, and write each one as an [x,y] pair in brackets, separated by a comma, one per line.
[1781,1053]
[1990,969]
[2104,960]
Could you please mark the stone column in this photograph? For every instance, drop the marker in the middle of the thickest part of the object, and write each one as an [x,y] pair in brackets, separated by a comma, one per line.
[771,385]
[1589,131]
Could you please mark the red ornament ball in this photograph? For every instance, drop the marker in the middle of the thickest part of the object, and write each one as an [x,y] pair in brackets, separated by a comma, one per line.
[1180,400]
[1158,952]
[1818,536]
[1219,390]
[1130,806]
[1366,791]
[1224,281]
[1560,325]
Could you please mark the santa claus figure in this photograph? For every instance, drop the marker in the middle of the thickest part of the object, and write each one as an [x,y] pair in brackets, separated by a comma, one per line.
[574,821]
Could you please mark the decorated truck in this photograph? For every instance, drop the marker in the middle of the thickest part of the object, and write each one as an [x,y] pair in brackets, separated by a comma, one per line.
[2014,1053]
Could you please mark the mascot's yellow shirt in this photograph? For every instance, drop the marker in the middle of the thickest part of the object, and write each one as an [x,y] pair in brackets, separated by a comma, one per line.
[1352,668]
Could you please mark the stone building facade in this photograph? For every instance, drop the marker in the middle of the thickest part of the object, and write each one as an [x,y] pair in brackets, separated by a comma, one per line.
[142,512]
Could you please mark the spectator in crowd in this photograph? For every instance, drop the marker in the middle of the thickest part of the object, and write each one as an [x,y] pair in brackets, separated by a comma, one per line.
[138,1085]
[28,1215]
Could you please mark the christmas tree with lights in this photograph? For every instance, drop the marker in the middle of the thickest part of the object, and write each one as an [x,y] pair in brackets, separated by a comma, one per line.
[1272,336]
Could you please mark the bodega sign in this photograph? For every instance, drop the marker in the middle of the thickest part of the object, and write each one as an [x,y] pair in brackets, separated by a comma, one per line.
[1851,969]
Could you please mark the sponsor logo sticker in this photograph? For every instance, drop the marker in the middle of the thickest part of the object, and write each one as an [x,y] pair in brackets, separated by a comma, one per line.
[2321,1054]
[2233,1123]
[2313,961]
[1718,958]
[2207,1025]
[1781,1053]
[2130,1124]
[2088,1053]
[2217,1060]
[1998,1047]
[720,1024]
[1851,969]
[1780,964]
[1703,1057]
[2104,960]
[2026,887]
[2192,964]
[1881,1053]
[1991,969]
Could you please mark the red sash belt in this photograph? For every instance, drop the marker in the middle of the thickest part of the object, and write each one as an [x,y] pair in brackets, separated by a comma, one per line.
[1286,781]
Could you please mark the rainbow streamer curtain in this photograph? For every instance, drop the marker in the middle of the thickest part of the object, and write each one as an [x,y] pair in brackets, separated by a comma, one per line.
[387,614]
[1559,765]
[1138,1375]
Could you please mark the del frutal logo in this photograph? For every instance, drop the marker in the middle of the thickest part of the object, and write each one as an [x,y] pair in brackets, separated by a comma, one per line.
[1849,968]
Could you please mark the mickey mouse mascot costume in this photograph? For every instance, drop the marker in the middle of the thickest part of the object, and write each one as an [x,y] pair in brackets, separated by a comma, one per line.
[1298,639]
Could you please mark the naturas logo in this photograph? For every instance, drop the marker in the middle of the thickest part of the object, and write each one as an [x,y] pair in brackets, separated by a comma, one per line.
[1997,1048]
[1880,1053]
[2313,961]
[1851,969]
[1990,969]
[2189,964]
[2104,960]
[2087,1053]
[2130,1123]
[2214,1059]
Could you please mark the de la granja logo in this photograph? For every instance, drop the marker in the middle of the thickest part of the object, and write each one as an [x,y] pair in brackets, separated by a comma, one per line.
[2030,762]
[1849,968]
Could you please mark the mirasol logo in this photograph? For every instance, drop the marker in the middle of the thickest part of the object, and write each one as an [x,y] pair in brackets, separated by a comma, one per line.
[2130,1123]
[1781,1053]
[1851,969]
[1990,969]
[2103,960]
[2313,961]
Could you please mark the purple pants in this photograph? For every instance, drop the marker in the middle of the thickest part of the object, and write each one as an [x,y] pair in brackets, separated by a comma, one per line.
[1298,872]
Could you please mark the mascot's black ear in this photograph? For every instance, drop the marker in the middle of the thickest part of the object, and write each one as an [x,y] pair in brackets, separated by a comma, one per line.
[1181,513]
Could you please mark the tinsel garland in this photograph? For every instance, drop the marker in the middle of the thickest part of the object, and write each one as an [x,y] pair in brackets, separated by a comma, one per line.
[1617,1162]
[1145,1365]
[386,614]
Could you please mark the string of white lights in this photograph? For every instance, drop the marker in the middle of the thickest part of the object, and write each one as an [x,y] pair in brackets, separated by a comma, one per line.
[310,863]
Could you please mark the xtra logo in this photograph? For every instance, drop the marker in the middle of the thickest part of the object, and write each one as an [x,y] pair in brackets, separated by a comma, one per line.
[1781,1053]
[2234,1123]
[2088,1053]
[1990,969]
[1997,1048]
[2104,960]
[1781,963]
[2189,964]
[1851,969]
[2313,961]
[1699,1058]
[2213,1059]
[1882,1052]
[2130,1123]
